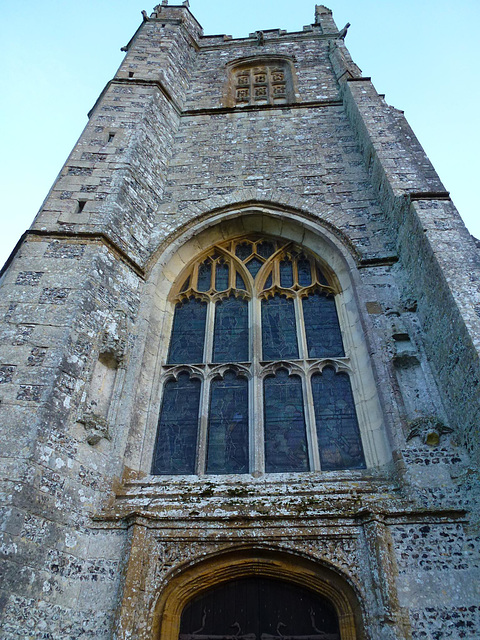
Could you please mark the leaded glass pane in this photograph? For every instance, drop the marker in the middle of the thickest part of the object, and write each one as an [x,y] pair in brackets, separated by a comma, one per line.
[337,426]
[188,332]
[228,426]
[268,282]
[254,266]
[321,277]
[186,284]
[243,251]
[279,331]
[285,436]
[304,273]
[286,274]
[324,338]
[240,284]
[230,342]
[204,281]
[221,277]
[265,249]
[176,443]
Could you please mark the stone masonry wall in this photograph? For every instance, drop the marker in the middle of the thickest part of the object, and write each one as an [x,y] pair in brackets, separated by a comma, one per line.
[160,151]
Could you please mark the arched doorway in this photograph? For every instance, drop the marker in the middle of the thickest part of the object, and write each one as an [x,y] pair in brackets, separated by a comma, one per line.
[287,585]
[259,608]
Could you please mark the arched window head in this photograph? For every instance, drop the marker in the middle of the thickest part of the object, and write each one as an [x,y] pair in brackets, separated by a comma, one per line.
[261,81]
[256,379]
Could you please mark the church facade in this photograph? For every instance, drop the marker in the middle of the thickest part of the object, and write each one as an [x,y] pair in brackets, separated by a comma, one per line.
[239,371]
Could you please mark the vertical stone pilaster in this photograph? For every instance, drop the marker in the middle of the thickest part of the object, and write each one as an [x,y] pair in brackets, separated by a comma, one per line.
[129,617]
[393,624]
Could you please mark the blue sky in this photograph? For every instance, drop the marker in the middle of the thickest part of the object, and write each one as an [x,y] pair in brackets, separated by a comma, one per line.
[58,55]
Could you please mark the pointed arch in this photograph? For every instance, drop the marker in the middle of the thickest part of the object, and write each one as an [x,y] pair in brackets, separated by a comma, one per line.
[218,229]
[219,569]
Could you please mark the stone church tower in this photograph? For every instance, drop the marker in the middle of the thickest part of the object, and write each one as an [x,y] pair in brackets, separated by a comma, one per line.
[239,371]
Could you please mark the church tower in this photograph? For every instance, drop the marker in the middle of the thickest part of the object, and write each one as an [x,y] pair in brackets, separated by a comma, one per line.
[239,362]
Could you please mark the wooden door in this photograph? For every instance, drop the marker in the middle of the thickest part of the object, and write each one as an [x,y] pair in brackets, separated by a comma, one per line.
[259,608]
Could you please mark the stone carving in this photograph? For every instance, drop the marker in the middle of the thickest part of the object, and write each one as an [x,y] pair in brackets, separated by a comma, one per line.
[340,552]
[115,337]
[168,554]
[96,427]
[260,38]
[343,32]
[145,17]
[429,429]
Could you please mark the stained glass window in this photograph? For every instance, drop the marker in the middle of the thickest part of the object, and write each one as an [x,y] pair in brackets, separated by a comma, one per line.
[228,426]
[279,331]
[337,426]
[188,333]
[286,274]
[324,338]
[254,265]
[221,277]
[175,449]
[304,273]
[230,341]
[241,309]
[204,276]
[285,436]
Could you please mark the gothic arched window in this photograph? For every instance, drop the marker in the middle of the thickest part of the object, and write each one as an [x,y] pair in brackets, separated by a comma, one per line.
[256,379]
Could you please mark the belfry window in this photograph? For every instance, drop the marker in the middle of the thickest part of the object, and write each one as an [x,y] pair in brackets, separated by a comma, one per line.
[256,379]
[261,82]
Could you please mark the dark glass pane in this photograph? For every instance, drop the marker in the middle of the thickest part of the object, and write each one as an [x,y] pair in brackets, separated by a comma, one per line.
[204,276]
[337,426]
[321,277]
[268,282]
[304,273]
[285,437]
[228,426]
[265,249]
[286,273]
[188,333]
[221,277]
[177,427]
[230,342]
[254,266]
[240,284]
[243,251]
[279,331]
[324,338]
[186,284]
[259,608]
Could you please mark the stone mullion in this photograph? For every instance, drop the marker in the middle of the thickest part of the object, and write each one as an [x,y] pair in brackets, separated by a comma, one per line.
[313,454]
[256,426]
[202,443]
[313,450]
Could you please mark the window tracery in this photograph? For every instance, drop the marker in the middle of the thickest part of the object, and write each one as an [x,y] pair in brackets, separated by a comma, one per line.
[256,378]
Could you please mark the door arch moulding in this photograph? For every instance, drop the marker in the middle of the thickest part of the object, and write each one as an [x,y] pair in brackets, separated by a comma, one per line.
[194,579]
